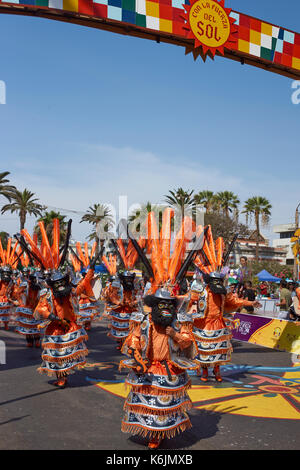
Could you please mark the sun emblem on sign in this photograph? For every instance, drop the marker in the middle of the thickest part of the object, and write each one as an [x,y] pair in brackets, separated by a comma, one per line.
[277,332]
[209,23]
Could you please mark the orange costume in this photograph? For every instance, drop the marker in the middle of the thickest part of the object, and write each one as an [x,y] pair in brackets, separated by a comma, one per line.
[8,260]
[212,331]
[64,340]
[89,307]
[109,294]
[121,296]
[157,404]
[26,296]
[6,304]
[124,305]
[160,346]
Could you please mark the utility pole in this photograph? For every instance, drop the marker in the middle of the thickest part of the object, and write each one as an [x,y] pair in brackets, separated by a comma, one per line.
[296,228]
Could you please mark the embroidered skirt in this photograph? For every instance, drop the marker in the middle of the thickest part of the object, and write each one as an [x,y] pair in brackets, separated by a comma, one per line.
[26,323]
[214,346]
[63,351]
[87,312]
[157,405]
[5,311]
[119,325]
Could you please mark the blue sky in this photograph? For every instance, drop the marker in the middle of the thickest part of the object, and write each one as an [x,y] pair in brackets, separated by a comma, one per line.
[91,115]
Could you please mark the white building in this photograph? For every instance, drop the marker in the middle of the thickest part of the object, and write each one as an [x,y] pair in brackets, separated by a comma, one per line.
[247,247]
[285,231]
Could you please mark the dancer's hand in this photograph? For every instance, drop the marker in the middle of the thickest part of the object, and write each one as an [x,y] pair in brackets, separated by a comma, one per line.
[256,304]
[65,324]
[170,331]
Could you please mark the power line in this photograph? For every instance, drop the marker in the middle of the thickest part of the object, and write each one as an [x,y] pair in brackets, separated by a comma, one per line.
[66,210]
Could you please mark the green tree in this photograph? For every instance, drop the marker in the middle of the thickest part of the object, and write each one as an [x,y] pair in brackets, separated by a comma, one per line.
[4,236]
[47,218]
[227,203]
[273,267]
[259,208]
[6,190]
[138,217]
[23,202]
[100,216]
[183,203]
[225,227]
[206,199]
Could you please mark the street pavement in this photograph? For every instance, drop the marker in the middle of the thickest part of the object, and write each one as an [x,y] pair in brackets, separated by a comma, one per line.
[257,407]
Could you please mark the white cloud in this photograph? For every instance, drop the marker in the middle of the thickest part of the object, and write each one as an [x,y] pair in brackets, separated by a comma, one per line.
[101,173]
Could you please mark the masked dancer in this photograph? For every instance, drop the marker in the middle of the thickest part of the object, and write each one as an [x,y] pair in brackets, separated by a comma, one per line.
[63,343]
[212,330]
[160,346]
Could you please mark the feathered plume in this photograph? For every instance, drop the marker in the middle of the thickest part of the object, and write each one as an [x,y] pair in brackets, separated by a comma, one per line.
[211,257]
[165,266]
[9,256]
[47,256]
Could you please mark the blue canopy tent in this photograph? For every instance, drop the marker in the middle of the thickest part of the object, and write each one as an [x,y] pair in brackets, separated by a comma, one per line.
[100,268]
[267,277]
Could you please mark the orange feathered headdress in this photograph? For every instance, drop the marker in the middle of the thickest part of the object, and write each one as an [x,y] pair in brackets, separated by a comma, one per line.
[76,263]
[83,255]
[9,256]
[166,266]
[110,264]
[210,259]
[48,255]
[129,256]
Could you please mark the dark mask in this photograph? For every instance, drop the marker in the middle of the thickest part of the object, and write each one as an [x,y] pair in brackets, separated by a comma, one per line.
[217,287]
[60,285]
[127,281]
[6,275]
[33,282]
[164,312]
[47,276]
[61,290]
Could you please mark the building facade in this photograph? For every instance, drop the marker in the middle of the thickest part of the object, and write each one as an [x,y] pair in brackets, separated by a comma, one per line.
[247,247]
[286,232]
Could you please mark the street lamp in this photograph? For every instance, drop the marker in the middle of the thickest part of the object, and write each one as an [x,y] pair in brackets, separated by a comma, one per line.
[296,228]
[297,216]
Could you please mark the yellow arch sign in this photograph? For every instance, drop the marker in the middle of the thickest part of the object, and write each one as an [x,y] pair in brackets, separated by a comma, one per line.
[250,41]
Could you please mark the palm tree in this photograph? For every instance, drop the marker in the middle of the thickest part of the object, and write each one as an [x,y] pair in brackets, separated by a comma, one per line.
[100,216]
[4,236]
[140,215]
[227,202]
[47,218]
[259,208]
[24,203]
[6,190]
[183,203]
[205,199]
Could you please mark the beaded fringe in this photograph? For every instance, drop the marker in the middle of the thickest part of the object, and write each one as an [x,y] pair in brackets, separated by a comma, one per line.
[76,355]
[158,435]
[61,374]
[153,390]
[220,339]
[217,351]
[49,345]
[144,410]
